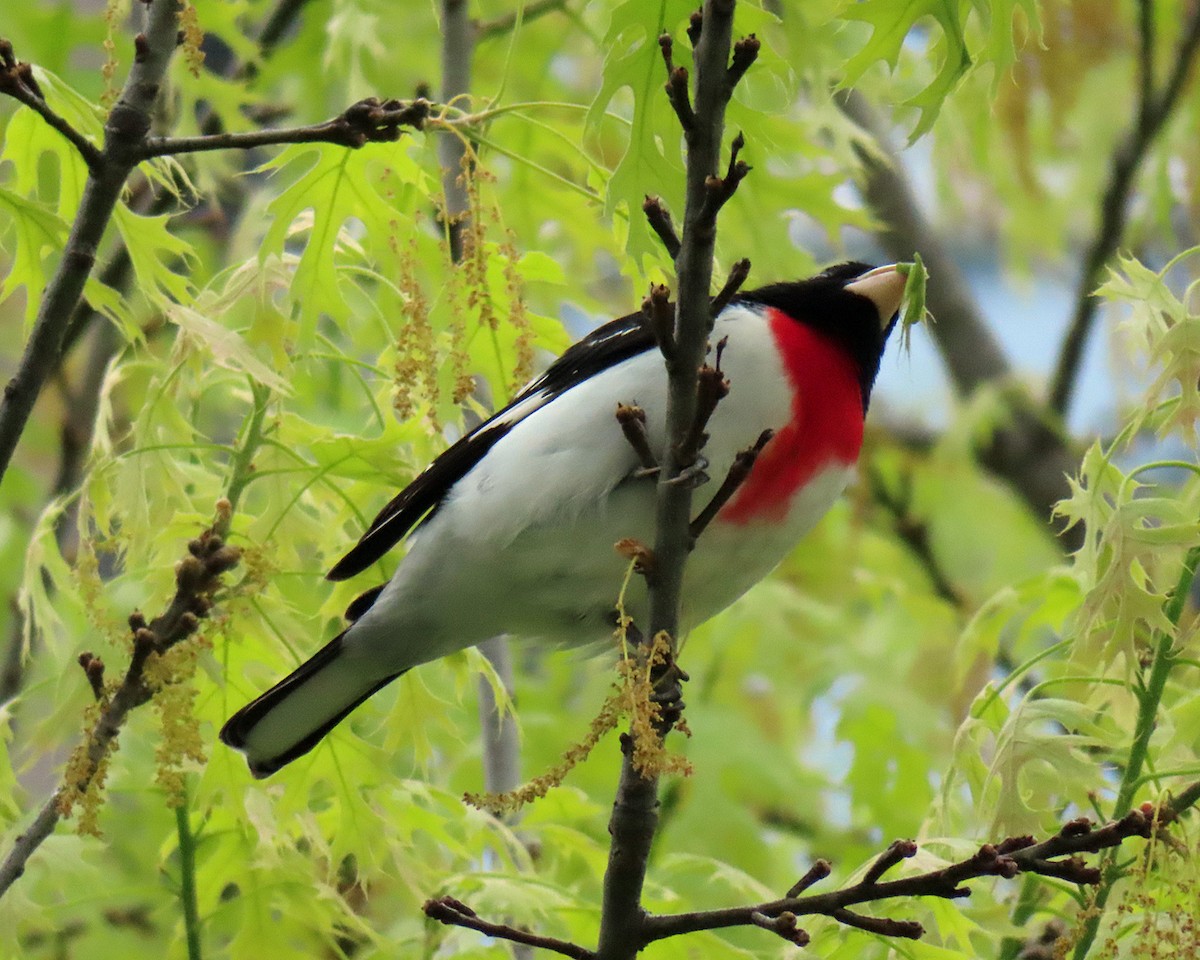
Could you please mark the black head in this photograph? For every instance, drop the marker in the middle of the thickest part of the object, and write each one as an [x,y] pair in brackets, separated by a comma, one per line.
[853,302]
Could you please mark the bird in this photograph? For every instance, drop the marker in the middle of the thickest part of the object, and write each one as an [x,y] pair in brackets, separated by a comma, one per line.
[513,528]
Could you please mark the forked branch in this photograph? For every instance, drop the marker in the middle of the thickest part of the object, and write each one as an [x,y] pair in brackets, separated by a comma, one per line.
[1057,857]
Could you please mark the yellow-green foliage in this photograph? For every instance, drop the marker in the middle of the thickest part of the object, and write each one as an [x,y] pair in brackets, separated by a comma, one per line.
[842,703]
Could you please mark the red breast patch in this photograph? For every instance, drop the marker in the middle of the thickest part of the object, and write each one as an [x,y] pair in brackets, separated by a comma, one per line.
[826,427]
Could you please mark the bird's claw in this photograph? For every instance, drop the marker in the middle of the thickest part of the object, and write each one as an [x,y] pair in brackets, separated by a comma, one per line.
[692,475]
[668,692]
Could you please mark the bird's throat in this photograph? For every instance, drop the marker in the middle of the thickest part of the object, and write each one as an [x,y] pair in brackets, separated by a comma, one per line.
[825,427]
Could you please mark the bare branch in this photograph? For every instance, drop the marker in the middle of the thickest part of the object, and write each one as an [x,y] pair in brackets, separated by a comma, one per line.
[93,668]
[1125,165]
[635,809]
[712,387]
[737,276]
[197,578]
[660,315]
[455,913]
[783,925]
[1007,859]
[677,85]
[816,873]
[17,80]
[368,121]
[743,463]
[883,926]
[898,851]
[745,52]
[720,189]
[660,222]
[633,424]
[506,23]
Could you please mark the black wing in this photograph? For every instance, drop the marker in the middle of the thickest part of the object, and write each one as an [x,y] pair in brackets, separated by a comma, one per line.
[604,347]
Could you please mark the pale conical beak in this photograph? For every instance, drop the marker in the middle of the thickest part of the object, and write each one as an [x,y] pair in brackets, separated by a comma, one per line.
[884,287]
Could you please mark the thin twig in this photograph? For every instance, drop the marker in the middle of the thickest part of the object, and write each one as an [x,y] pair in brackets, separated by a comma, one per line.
[455,913]
[816,873]
[720,189]
[739,470]
[1125,165]
[16,80]
[737,277]
[368,121]
[677,85]
[745,52]
[633,424]
[1006,859]
[712,386]
[660,315]
[660,221]
[505,23]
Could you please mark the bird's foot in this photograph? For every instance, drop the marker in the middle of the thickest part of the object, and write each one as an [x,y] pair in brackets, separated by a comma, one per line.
[668,680]
[693,475]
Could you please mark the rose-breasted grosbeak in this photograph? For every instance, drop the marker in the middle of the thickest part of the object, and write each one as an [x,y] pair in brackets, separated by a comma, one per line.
[512,529]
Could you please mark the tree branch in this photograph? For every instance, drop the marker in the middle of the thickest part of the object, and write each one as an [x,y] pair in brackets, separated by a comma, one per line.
[660,221]
[737,276]
[453,912]
[1029,453]
[739,470]
[1126,163]
[504,24]
[1008,858]
[126,127]
[635,809]
[79,421]
[197,579]
[915,534]
[16,80]
[367,121]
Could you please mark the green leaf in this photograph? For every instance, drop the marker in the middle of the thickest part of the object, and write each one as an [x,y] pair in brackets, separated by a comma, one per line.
[154,250]
[891,22]
[652,161]
[332,185]
[39,234]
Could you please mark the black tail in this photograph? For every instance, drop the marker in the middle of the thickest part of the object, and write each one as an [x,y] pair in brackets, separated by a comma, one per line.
[294,715]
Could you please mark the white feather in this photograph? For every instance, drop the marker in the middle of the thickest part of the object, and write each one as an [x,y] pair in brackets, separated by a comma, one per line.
[524,542]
